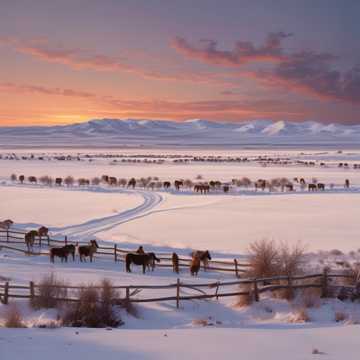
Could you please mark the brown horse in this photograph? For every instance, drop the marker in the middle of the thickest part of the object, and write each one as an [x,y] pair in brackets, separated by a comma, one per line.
[195,265]
[312,187]
[88,250]
[175,262]
[321,186]
[43,231]
[30,239]
[140,250]
[62,253]
[204,257]
[145,260]
[6,224]
[70,250]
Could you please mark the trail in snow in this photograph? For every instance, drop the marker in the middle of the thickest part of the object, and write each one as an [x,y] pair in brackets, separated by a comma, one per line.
[94,226]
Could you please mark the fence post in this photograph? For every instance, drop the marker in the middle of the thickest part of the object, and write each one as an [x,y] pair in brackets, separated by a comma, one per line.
[7,235]
[177,293]
[66,240]
[236,268]
[115,252]
[256,291]
[127,295]
[291,290]
[6,293]
[32,291]
[324,283]
[40,241]
[217,290]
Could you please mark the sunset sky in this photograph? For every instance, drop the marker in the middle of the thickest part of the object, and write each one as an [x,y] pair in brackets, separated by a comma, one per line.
[65,61]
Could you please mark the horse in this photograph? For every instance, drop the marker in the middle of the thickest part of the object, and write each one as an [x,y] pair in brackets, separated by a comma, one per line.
[61,252]
[30,239]
[195,265]
[140,259]
[6,224]
[204,256]
[178,184]
[88,250]
[153,259]
[347,184]
[43,231]
[175,262]
[166,184]
[312,187]
[321,186]
[70,250]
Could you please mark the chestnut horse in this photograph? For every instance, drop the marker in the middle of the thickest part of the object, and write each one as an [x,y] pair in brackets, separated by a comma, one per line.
[204,257]
[88,250]
[175,262]
[30,239]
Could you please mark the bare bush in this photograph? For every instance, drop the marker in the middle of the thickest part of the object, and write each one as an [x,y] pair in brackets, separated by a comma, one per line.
[340,316]
[263,259]
[310,298]
[290,259]
[13,317]
[69,181]
[95,307]
[49,293]
[300,315]
[245,299]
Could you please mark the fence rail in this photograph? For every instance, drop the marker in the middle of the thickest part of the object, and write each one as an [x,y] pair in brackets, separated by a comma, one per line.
[8,237]
[255,288]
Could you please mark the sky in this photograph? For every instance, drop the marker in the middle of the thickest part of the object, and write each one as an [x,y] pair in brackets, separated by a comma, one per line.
[65,61]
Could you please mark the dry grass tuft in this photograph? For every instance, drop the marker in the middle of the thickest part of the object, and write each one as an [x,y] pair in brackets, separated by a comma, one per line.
[340,316]
[13,318]
[310,298]
[246,299]
[200,322]
[300,315]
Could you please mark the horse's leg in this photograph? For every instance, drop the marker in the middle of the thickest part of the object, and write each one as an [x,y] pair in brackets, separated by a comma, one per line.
[144,268]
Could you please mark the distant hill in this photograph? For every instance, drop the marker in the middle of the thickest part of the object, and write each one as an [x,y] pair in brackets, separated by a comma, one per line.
[197,132]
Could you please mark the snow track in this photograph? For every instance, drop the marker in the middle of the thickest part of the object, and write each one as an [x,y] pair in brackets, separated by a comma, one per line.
[94,226]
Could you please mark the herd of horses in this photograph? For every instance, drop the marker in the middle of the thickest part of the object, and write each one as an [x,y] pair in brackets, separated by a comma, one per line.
[147,260]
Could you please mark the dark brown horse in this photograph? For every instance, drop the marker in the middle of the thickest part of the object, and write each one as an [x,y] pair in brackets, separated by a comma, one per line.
[145,260]
[62,253]
[204,257]
[321,186]
[312,187]
[88,250]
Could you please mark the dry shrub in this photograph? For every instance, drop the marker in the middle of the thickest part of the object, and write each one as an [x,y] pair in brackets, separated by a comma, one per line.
[268,259]
[48,293]
[263,259]
[245,299]
[200,322]
[340,316]
[286,293]
[13,318]
[310,297]
[300,315]
[336,252]
[95,307]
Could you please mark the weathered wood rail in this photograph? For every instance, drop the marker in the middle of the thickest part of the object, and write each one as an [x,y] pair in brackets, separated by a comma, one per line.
[255,288]
[16,237]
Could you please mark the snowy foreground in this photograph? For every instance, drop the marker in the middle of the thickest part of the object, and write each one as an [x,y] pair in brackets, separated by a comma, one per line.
[169,221]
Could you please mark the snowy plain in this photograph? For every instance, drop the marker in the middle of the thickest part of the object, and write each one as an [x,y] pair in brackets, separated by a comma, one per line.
[167,221]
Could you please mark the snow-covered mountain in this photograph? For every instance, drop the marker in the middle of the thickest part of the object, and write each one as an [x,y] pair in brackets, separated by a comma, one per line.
[115,132]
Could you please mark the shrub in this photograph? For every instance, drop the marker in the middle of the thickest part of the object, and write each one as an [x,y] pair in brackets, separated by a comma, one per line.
[48,293]
[290,259]
[263,259]
[245,299]
[69,181]
[95,307]
[310,297]
[13,318]
[340,316]
[300,315]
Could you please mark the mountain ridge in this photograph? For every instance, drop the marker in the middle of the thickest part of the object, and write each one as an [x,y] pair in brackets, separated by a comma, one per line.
[192,131]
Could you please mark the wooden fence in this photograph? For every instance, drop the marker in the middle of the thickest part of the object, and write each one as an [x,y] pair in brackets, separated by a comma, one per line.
[9,237]
[254,288]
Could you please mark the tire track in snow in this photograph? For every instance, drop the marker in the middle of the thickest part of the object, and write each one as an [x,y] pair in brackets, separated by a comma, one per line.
[94,226]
